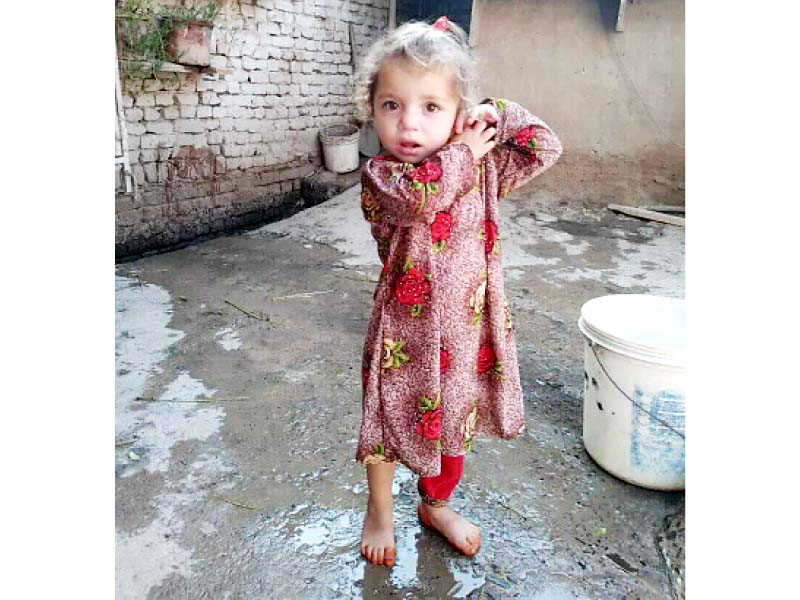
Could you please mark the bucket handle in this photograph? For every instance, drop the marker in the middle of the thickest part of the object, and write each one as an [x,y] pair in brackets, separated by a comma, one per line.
[632,401]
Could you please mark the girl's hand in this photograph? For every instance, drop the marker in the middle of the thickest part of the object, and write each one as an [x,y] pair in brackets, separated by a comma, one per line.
[478,137]
[482,112]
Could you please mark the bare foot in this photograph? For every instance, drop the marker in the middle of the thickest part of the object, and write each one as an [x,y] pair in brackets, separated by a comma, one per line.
[462,535]
[377,536]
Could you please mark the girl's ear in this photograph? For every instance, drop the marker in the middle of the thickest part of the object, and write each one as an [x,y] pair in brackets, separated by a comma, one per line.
[458,124]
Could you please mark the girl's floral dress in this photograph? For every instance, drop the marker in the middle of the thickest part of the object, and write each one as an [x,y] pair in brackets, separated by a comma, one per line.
[440,360]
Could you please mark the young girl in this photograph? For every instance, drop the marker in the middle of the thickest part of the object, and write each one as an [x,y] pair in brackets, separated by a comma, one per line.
[440,362]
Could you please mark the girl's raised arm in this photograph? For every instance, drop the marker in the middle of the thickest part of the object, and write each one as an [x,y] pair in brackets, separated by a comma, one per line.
[526,146]
[402,194]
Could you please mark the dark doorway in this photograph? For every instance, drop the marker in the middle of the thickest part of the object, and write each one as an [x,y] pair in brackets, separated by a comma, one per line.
[458,11]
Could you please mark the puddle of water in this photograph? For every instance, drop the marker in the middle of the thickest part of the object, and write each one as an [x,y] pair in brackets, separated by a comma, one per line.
[143,339]
[145,557]
[228,338]
[324,545]
[657,266]
[337,222]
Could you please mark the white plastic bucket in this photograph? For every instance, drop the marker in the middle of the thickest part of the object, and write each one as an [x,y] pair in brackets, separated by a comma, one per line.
[340,148]
[634,402]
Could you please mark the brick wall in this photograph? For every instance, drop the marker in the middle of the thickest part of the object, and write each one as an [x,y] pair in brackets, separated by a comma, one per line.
[228,146]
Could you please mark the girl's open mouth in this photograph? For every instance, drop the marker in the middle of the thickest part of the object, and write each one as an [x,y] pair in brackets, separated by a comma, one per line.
[409,147]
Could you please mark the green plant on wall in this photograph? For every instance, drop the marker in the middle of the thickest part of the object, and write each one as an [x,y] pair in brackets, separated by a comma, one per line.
[143,30]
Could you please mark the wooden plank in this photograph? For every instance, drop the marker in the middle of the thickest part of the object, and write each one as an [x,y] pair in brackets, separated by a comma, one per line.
[667,208]
[650,215]
[621,15]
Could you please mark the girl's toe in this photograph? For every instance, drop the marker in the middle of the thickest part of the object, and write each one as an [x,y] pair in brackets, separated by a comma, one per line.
[389,558]
[379,556]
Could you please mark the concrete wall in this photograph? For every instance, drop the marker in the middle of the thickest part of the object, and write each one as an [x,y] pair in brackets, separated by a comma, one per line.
[616,100]
[225,147]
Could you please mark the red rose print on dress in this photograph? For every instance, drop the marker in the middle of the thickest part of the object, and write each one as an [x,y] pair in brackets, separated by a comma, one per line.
[413,288]
[487,362]
[423,178]
[440,231]
[426,172]
[488,234]
[429,423]
[444,360]
[369,206]
[526,137]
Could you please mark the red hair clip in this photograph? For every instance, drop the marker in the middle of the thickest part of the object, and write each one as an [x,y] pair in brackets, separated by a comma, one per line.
[442,23]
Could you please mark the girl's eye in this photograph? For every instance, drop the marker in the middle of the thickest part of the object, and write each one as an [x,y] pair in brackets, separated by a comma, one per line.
[432,107]
[390,105]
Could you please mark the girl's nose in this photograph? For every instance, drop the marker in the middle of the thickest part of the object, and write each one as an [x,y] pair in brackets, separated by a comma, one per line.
[409,120]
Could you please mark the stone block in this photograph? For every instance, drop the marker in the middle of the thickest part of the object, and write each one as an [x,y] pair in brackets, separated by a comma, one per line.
[149,155]
[204,111]
[210,98]
[152,114]
[281,41]
[144,100]
[205,85]
[184,207]
[190,139]
[124,203]
[189,99]
[149,141]
[271,28]
[135,129]
[231,151]
[151,172]
[279,78]
[159,127]
[129,217]
[188,112]
[250,64]
[220,62]
[165,99]
[189,126]
[134,115]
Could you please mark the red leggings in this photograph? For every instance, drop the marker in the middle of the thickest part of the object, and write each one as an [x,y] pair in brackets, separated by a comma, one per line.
[441,486]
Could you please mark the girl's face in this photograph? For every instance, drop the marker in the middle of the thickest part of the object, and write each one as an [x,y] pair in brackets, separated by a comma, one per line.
[414,109]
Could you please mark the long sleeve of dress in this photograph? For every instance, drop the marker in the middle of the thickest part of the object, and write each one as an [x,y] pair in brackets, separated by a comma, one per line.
[400,194]
[526,145]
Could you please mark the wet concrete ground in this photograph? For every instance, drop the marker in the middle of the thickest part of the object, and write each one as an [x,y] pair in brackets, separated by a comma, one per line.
[236,432]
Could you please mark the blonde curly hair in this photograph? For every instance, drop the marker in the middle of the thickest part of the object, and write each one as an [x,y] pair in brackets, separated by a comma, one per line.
[427,46]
